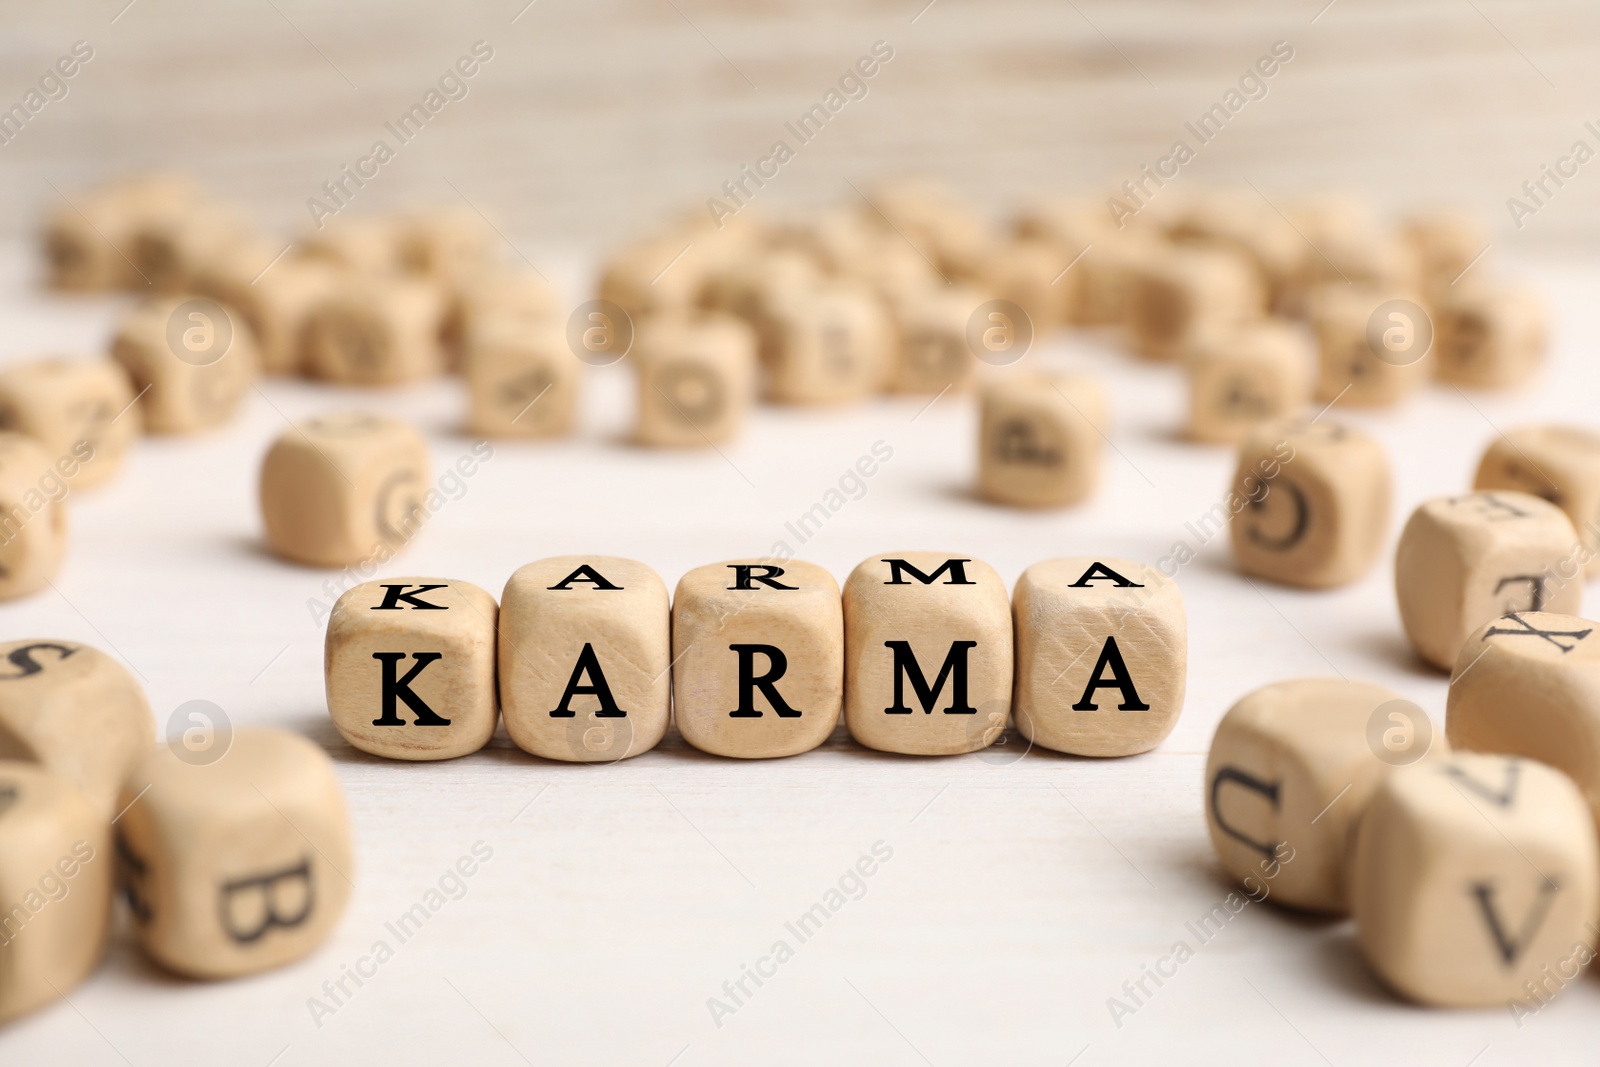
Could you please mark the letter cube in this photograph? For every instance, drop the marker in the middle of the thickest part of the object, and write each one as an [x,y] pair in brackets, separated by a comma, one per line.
[1292,766]
[1560,464]
[275,301]
[1187,294]
[758,657]
[33,519]
[1102,655]
[928,654]
[933,353]
[191,362]
[342,488]
[1257,373]
[55,886]
[444,243]
[376,331]
[1444,244]
[1473,878]
[479,299]
[825,343]
[75,710]
[1464,560]
[88,243]
[1103,279]
[522,379]
[1030,274]
[1350,368]
[80,410]
[1528,684]
[585,658]
[367,246]
[237,864]
[1040,440]
[410,668]
[696,379]
[175,239]
[1310,503]
[1490,336]
[654,276]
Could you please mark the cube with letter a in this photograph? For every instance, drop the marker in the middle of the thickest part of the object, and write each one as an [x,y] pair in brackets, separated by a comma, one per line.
[758,648]
[585,658]
[927,653]
[1102,654]
[410,666]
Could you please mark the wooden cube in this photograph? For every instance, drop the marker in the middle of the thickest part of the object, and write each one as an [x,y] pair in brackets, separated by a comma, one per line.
[376,331]
[1188,294]
[275,302]
[1490,336]
[1291,769]
[761,276]
[758,657]
[478,299]
[522,379]
[88,242]
[655,276]
[1345,245]
[77,711]
[1464,560]
[826,343]
[928,654]
[1040,439]
[934,355]
[1313,503]
[1030,274]
[1258,373]
[80,410]
[696,379]
[56,869]
[585,658]
[444,243]
[1242,222]
[190,359]
[1444,244]
[1350,368]
[1473,879]
[33,519]
[342,488]
[1103,279]
[1560,464]
[409,665]
[175,240]
[1528,684]
[1102,655]
[238,865]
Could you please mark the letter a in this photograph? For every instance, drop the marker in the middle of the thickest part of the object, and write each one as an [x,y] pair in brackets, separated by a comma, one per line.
[589,664]
[1111,656]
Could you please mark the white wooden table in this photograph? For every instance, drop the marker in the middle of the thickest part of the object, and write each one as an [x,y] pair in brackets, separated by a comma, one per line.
[1021,892]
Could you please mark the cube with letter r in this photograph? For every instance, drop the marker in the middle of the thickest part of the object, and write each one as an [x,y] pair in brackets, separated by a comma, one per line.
[410,667]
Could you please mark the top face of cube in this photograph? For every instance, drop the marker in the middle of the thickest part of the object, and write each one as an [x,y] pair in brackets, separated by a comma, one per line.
[1538,638]
[1484,524]
[1488,802]
[1552,461]
[562,586]
[938,583]
[265,776]
[1101,585]
[765,588]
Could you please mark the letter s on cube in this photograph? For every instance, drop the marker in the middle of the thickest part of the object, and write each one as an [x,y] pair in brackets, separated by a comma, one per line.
[410,667]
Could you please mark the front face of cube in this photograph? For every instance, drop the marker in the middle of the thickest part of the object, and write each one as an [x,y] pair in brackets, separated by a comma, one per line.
[1035,451]
[230,870]
[410,668]
[759,657]
[196,358]
[693,391]
[928,654]
[1102,656]
[1230,393]
[1474,877]
[933,353]
[1163,312]
[73,407]
[55,880]
[1528,684]
[521,388]
[830,349]
[585,658]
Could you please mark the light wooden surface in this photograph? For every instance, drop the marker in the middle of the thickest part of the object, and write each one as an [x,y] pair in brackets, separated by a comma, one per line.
[1021,894]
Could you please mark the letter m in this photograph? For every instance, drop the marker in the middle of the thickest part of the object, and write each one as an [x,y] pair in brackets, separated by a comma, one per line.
[954,670]
[955,568]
